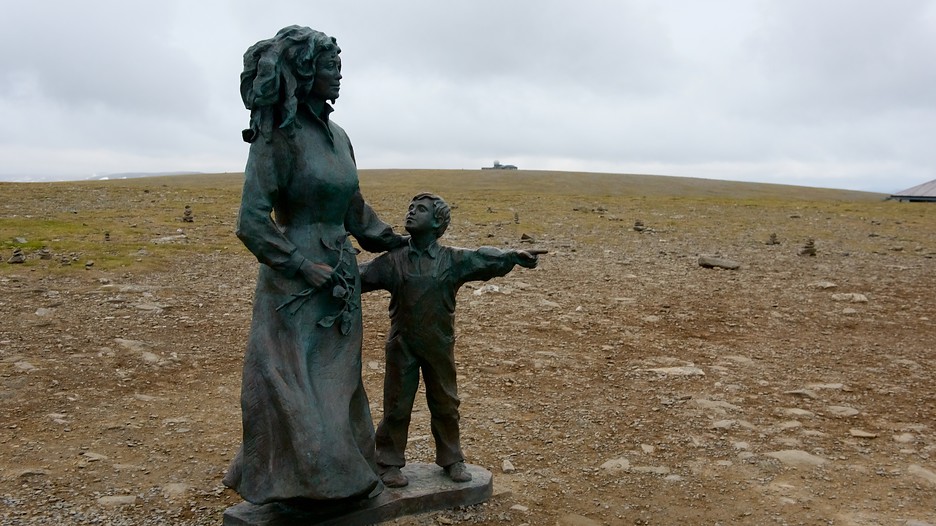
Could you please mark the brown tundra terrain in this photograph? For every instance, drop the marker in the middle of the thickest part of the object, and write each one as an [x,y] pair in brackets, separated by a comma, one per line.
[618,383]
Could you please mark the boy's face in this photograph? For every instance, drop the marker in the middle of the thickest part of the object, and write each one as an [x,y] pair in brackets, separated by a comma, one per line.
[420,217]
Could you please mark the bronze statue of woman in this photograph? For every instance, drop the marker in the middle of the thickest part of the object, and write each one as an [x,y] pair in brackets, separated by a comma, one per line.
[308,436]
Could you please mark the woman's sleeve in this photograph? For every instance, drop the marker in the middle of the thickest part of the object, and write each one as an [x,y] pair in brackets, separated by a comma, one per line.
[371,233]
[263,178]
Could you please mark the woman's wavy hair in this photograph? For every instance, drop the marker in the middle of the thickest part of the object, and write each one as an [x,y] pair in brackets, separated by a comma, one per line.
[278,73]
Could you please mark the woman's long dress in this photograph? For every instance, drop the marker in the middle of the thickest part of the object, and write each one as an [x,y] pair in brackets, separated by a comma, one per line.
[307,428]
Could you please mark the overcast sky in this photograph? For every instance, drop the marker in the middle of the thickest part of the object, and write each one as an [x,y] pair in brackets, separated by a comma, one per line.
[830,93]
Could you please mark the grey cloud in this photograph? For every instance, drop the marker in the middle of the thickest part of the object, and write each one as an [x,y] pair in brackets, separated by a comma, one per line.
[831,59]
[100,53]
[813,92]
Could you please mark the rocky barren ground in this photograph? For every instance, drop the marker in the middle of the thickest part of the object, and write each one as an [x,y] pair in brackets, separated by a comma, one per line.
[619,383]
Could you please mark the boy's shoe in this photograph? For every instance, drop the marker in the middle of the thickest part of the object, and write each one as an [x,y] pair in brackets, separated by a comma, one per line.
[458,472]
[393,477]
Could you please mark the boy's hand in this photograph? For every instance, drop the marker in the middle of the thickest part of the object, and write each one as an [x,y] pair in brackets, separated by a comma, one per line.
[529,258]
[316,274]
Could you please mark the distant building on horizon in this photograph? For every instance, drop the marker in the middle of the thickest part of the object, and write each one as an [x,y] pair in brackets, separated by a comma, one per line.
[499,166]
[925,192]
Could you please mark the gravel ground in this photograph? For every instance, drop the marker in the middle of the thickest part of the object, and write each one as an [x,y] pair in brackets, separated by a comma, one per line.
[618,383]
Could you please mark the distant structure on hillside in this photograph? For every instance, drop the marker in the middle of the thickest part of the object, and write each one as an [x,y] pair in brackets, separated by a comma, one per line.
[925,192]
[499,166]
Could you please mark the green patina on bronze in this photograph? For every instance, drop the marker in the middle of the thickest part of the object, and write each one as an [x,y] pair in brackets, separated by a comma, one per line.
[308,437]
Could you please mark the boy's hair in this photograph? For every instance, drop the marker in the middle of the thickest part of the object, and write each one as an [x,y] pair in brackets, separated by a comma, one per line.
[440,210]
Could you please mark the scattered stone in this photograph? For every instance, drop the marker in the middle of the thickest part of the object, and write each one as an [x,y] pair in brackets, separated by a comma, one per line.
[789,442]
[518,507]
[803,393]
[724,424]
[488,288]
[117,500]
[170,240]
[576,520]
[905,438]
[835,387]
[91,456]
[175,490]
[809,249]
[673,478]
[790,424]
[507,466]
[922,473]
[24,366]
[616,465]
[88,264]
[679,371]
[795,411]
[43,312]
[823,285]
[719,406]
[655,470]
[713,262]
[842,411]
[132,345]
[647,449]
[739,359]
[914,522]
[851,297]
[150,306]
[858,433]
[548,304]
[907,363]
[526,238]
[149,357]
[20,240]
[31,472]
[796,457]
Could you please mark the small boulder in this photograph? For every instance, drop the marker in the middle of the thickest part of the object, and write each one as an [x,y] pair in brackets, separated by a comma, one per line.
[714,262]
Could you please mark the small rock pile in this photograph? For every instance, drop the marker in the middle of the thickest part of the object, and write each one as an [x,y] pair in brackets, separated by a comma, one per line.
[809,249]
[18,256]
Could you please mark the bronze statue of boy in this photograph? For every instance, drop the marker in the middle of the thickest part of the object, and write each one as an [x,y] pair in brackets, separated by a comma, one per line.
[423,278]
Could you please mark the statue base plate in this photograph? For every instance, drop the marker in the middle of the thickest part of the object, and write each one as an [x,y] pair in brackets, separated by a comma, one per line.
[429,489]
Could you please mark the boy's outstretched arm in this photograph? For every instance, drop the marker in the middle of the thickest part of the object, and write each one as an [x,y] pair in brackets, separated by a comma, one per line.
[489,262]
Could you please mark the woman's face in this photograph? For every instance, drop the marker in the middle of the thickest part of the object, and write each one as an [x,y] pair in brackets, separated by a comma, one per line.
[327,76]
